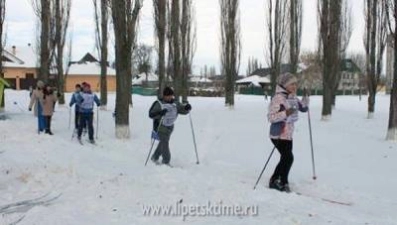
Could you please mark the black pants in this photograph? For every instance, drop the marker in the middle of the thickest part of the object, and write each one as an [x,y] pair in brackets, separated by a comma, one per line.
[163,148]
[86,119]
[76,120]
[47,123]
[284,147]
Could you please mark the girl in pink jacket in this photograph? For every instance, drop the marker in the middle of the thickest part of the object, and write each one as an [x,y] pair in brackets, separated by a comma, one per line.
[283,113]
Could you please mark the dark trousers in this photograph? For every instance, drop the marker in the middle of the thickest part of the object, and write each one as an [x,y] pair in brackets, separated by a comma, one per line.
[76,120]
[86,120]
[284,147]
[47,123]
[163,148]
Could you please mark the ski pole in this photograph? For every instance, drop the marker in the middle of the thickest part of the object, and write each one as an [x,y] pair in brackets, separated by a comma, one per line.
[97,122]
[194,138]
[311,145]
[263,170]
[154,140]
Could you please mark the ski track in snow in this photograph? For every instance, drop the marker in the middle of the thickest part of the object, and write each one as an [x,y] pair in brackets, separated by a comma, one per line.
[107,183]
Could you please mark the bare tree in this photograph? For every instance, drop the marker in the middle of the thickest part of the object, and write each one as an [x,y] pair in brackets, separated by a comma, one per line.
[61,12]
[375,44]
[311,77]
[230,46]
[345,33]
[42,9]
[295,27]
[277,25]
[253,64]
[188,45]
[330,28]
[360,61]
[101,17]
[125,14]
[160,18]
[176,47]
[2,18]
[391,6]
[170,60]
[142,59]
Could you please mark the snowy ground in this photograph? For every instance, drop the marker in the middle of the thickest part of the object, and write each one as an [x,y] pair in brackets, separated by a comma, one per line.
[108,183]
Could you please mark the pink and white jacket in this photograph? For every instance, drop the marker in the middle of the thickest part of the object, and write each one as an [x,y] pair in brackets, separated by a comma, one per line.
[282,126]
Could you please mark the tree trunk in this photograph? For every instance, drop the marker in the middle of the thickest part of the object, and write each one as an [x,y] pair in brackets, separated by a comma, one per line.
[330,22]
[371,81]
[175,20]
[392,127]
[104,53]
[2,18]
[44,69]
[59,48]
[161,24]
[125,22]
[230,47]
[327,103]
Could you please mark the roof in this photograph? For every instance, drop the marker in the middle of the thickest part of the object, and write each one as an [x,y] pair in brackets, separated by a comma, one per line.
[200,79]
[24,57]
[254,79]
[223,77]
[89,69]
[88,58]
[285,68]
[139,79]
[348,65]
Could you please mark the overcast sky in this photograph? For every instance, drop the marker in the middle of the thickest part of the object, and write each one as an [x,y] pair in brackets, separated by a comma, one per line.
[20,26]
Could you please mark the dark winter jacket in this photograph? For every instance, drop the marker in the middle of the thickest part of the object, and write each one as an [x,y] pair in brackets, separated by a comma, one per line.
[167,121]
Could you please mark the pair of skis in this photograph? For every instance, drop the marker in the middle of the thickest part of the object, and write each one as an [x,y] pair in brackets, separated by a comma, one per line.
[26,205]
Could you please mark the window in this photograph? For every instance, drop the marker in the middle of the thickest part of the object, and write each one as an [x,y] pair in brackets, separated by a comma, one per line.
[348,65]
[29,76]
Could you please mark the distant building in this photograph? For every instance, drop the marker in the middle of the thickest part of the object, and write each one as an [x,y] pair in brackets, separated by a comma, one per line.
[20,66]
[88,69]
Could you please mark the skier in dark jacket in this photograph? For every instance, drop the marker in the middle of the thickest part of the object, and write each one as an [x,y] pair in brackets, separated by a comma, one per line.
[164,113]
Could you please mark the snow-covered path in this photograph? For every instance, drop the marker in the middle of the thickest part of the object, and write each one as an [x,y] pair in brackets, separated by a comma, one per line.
[109,184]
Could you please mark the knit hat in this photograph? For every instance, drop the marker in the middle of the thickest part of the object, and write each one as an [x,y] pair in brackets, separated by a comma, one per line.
[286,79]
[85,84]
[168,91]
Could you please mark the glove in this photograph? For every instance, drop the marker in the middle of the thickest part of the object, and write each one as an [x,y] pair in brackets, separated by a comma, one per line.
[163,112]
[30,109]
[290,111]
[188,107]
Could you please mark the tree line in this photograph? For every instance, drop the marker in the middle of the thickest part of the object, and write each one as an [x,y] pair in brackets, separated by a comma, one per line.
[175,45]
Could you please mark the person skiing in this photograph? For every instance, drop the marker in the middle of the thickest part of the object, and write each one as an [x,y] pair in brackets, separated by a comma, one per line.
[36,99]
[86,100]
[73,100]
[283,113]
[49,99]
[164,113]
